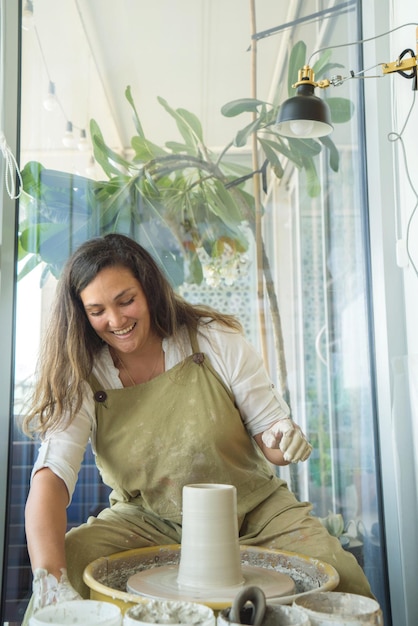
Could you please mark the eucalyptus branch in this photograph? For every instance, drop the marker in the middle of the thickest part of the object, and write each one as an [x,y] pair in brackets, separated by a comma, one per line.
[223,152]
[179,162]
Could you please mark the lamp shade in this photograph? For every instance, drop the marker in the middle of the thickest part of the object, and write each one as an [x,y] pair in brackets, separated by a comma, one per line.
[304,115]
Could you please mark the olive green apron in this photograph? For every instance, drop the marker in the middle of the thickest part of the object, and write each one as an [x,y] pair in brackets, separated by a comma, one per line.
[181,427]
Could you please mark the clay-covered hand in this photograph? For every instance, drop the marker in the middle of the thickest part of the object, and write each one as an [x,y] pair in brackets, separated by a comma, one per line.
[48,590]
[287,436]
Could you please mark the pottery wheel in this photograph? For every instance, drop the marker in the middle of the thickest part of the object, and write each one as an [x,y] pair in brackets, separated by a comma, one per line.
[161,582]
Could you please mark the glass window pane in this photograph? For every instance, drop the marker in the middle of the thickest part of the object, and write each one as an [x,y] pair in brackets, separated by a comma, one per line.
[313,323]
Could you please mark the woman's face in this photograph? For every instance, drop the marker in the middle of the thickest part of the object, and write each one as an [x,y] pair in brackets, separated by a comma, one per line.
[117,309]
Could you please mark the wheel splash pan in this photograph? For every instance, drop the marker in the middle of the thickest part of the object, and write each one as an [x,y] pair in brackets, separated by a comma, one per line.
[107,577]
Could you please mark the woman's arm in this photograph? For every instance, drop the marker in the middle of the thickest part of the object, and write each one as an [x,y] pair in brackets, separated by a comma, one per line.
[264,412]
[46,522]
[53,481]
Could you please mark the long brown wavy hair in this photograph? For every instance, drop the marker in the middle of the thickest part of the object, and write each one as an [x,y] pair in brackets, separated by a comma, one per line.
[70,344]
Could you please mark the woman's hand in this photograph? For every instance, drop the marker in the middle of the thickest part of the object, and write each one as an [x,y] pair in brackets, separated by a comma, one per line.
[289,439]
[48,590]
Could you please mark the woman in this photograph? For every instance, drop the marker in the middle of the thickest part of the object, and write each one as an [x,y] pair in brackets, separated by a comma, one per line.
[169,394]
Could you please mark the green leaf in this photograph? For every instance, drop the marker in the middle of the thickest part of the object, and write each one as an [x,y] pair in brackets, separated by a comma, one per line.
[305,147]
[193,122]
[102,153]
[341,109]
[48,270]
[145,150]
[321,63]
[58,179]
[137,122]
[284,148]
[21,252]
[334,155]
[242,105]
[113,156]
[242,135]
[237,169]
[313,184]
[186,131]
[323,66]
[278,171]
[326,70]
[31,175]
[179,148]
[33,261]
[195,270]
[59,197]
[223,205]
[111,202]
[296,62]
[33,238]
[151,181]
[270,152]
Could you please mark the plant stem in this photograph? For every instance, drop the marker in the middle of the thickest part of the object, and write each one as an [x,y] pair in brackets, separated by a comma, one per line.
[257,193]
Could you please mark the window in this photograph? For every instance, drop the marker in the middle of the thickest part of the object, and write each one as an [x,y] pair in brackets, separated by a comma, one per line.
[81,59]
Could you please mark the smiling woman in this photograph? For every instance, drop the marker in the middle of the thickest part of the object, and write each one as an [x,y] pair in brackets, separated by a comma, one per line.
[221,416]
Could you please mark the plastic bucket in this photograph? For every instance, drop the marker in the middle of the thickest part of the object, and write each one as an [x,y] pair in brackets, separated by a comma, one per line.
[275,615]
[340,609]
[175,613]
[82,612]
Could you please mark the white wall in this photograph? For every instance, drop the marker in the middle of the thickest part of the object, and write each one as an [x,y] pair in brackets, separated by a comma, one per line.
[388,101]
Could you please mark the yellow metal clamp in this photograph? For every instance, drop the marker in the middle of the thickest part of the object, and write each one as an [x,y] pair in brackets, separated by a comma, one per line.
[402,65]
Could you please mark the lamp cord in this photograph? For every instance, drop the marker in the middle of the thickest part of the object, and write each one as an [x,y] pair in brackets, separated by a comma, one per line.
[393,137]
[11,169]
[413,73]
[353,43]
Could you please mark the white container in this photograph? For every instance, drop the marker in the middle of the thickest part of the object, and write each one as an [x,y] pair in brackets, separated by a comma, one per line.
[275,615]
[169,612]
[81,612]
[210,555]
[340,609]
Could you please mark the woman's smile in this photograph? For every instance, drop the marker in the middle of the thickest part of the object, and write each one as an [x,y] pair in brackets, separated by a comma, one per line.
[124,331]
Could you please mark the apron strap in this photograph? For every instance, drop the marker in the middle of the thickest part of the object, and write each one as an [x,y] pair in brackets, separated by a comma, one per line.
[94,383]
[193,340]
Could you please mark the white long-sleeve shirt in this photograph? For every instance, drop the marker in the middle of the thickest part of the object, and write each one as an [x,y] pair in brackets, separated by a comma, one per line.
[231,355]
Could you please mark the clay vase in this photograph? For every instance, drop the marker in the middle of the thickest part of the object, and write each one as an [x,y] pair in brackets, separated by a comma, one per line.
[210,554]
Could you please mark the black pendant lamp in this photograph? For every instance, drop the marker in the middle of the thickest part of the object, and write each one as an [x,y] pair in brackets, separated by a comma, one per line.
[305,115]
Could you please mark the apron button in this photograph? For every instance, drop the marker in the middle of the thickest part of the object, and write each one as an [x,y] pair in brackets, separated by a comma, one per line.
[100,396]
[198,358]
